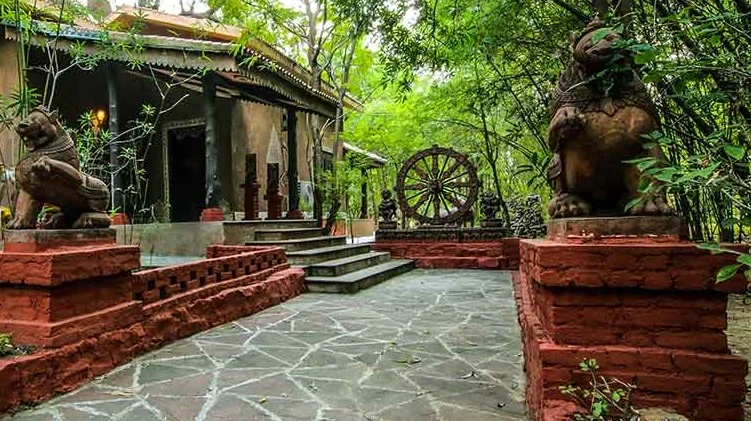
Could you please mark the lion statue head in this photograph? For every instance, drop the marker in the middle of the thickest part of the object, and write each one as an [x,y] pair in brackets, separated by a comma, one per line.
[39,128]
[585,83]
[594,54]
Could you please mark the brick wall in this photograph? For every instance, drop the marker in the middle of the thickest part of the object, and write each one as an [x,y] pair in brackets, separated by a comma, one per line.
[651,314]
[497,254]
[87,312]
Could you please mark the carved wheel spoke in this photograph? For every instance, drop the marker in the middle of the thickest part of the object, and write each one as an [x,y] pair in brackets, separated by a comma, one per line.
[423,176]
[448,173]
[424,198]
[455,184]
[434,167]
[454,200]
[416,186]
[437,205]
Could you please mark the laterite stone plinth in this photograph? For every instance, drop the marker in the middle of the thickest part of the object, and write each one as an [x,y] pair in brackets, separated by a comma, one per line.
[76,297]
[451,248]
[648,309]
[59,287]
[212,215]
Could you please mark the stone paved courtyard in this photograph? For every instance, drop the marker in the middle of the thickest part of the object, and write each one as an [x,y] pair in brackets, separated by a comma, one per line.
[428,345]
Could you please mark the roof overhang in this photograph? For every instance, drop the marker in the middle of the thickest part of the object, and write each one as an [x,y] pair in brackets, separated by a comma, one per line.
[372,160]
[214,31]
[281,88]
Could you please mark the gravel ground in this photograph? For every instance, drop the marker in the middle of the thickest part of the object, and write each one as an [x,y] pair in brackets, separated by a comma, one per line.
[739,336]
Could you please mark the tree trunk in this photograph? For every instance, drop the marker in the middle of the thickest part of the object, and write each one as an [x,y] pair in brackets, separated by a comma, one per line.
[335,199]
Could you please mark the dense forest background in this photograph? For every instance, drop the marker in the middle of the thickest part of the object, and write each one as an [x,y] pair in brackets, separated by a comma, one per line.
[477,75]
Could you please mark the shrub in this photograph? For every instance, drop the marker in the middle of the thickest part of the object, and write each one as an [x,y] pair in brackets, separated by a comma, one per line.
[605,399]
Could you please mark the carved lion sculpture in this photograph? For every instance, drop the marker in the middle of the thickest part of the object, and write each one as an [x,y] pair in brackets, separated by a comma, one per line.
[49,173]
[595,129]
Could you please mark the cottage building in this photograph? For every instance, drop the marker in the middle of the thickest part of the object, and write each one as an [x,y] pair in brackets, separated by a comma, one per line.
[223,107]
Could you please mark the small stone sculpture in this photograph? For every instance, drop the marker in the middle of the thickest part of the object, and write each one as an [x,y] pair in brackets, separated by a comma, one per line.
[599,115]
[49,173]
[387,210]
[490,205]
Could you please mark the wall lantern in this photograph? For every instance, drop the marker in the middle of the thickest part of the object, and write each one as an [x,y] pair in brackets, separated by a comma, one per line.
[97,120]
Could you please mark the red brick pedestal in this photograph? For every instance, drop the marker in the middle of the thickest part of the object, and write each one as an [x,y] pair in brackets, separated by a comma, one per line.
[295,214]
[57,287]
[274,201]
[251,200]
[212,215]
[120,219]
[649,311]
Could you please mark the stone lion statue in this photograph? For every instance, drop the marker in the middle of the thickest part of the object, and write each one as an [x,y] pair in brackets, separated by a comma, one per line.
[49,173]
[594,128]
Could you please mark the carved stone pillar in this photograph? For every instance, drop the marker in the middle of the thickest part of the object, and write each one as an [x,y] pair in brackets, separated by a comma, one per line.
[293,181]
[273,195]
[252,186]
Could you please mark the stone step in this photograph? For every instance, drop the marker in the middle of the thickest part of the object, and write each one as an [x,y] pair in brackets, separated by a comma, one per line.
[302,244]
[238,232]
[314,256]
[275,223]
[361,279]
[287,234]
[347,265]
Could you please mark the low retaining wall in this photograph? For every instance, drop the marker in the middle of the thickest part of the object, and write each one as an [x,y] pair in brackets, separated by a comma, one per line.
[501,254]
[651,314]
[171,238]
[89,313]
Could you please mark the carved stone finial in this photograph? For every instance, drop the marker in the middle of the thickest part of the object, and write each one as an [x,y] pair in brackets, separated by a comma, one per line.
[49,173]
[599,115]
[490,205]
[387,208]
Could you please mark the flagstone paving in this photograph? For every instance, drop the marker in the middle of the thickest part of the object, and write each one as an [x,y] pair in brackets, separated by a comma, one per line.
[428,345]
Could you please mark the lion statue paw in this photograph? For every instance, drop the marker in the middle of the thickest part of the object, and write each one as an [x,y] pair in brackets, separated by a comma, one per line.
[568,205]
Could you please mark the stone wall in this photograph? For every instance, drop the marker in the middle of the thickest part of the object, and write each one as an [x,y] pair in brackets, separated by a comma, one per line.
[171,239]
[86,312]
[651,314]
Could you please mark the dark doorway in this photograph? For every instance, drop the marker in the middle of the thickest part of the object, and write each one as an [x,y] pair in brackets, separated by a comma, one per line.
[187,168]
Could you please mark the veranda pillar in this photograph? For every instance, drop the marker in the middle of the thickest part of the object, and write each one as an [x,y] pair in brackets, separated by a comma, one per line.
[116,178]
[212,212]
[292,174]
[364,195]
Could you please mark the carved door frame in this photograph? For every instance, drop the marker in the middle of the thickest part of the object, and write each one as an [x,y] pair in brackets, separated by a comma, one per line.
[166,127]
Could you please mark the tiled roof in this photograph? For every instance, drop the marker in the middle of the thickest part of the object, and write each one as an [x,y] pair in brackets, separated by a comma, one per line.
[167,51]
[208,29]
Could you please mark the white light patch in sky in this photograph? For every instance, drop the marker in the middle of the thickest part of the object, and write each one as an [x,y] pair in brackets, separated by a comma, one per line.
[173,6]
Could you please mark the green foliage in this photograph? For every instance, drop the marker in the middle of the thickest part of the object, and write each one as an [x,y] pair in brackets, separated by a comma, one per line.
[6,344]
[694,55]
[728,272]
[604,400]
